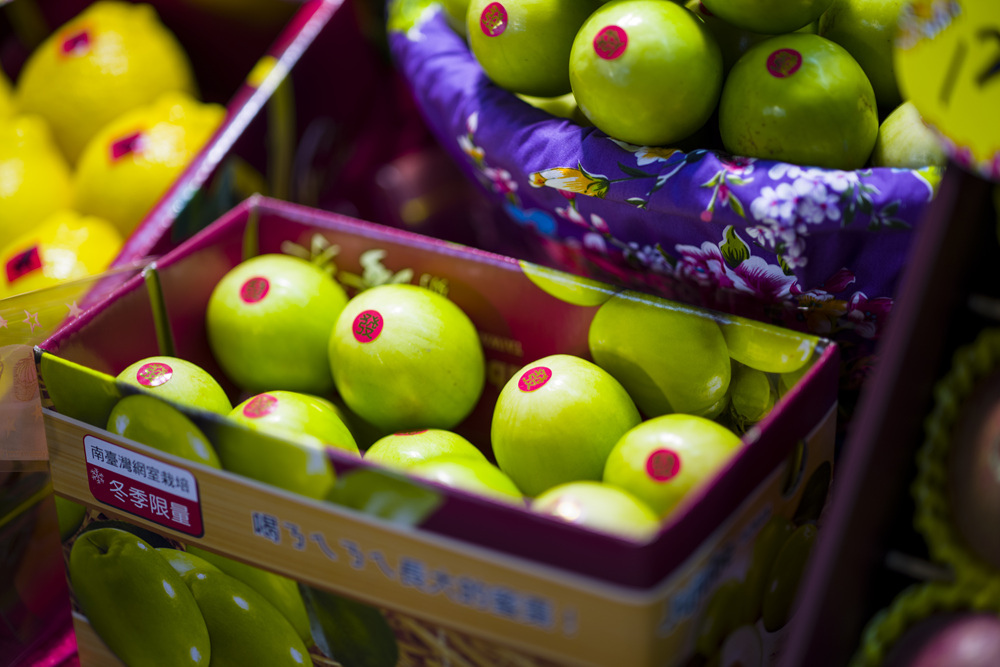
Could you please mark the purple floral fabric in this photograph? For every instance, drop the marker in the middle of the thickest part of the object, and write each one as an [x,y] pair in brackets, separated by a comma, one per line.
[816,249]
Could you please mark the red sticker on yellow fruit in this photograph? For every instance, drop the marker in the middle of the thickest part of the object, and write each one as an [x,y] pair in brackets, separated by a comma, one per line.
[784,62]
[75,44]
[260,406]
[367,326]
[154,374]
[125,146]
[663,465]
[23,263]
[610,42]
[254,289]
[534,378]
[493,20]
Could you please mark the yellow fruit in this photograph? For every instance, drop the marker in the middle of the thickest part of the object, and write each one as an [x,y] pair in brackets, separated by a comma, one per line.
[35,180]
[112,57]
[132,161]
[65,246]
[6,96]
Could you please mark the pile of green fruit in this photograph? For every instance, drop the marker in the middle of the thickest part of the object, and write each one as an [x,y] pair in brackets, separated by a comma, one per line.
[615,442]
[809,82]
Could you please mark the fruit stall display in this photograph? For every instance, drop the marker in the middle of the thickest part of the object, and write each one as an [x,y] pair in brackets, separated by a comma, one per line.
[463,448]
[722,167]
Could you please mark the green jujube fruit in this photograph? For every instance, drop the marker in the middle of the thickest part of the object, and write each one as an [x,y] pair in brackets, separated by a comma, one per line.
[153,422]
[766,545]
[353,633]
[786,573]
[280,591]
[70,515]
[136,602]
[244,628]
[668,359]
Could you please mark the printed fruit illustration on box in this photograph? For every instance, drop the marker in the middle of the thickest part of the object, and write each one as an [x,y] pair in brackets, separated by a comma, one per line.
[208,608]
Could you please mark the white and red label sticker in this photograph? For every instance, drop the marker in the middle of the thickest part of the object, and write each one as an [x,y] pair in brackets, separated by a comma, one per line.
[143,486]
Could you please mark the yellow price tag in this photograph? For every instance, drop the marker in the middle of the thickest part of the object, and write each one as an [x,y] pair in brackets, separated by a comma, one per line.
[947,60]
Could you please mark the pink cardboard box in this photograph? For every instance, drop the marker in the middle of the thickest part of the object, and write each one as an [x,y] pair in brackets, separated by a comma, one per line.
[486,578]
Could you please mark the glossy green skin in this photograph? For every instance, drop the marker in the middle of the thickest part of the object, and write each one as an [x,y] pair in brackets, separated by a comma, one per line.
[295,457]
[767,544]
[905,142]
[385,494]
[662,88]
[189,385]
[153,422]
[297,413]
[70,515]
[136,602]
[468,474]
[183,561]
[867,29]
[531,55]
[702,445]
[402,450]
[822,115]
[733,41]
[750,393]
[77,391]
[766,347]
[245,629]
[772,17]
[455,12]
[280,591]
[278,342]
[785,575]
[563,430]
[426,369]
[600,507]
[669,360]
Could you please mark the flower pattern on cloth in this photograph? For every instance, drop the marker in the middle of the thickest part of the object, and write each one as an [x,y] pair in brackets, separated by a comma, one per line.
[820,250]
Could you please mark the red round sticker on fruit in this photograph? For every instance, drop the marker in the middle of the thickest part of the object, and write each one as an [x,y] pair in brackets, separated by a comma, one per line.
[130,144]
[367,326]
[610,42]
[75,43]
[493,20]
[663,465]
[23,263]
[259,406]
[534,378]
[154,374]
[255,289]
[784,63]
